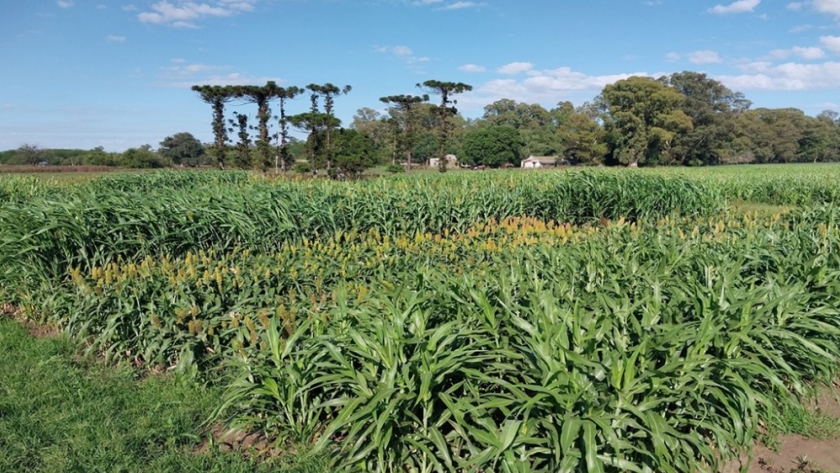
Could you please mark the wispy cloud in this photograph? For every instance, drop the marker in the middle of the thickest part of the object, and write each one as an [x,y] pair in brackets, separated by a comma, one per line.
[544,86]
[763,75]
[472,68]
[515,68]
[183,14]
[831,7]
[65,3]
[115,39]
[458,5]
[184,75]
[233,78]
[404,54]
[462,5]
[740,6]
[704,57]
[832,43]
[805,53]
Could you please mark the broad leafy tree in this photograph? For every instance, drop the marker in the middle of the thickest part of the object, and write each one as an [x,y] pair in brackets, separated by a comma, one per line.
[711,106]
[30,154]
[182,148]
[492,146]
[644,118]
[582,139]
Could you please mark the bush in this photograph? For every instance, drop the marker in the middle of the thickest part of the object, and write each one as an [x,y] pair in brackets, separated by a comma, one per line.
[395,168]
[302,168]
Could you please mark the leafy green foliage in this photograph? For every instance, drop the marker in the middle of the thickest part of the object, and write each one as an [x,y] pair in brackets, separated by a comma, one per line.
[492,146]
[57,414]
[557,321]
[182,148]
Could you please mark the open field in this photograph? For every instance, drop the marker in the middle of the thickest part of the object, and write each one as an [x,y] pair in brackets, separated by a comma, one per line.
[572,320]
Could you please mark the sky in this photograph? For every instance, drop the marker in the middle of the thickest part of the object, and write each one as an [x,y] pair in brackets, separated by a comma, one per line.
[117,73]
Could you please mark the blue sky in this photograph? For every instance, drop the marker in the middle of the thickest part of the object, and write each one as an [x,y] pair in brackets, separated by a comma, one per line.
[86,73]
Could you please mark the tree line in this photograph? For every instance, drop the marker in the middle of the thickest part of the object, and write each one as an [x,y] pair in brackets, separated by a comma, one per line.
[686,118]
[328,145]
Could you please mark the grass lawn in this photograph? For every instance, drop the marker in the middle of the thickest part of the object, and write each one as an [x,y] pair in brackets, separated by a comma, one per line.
[59,414]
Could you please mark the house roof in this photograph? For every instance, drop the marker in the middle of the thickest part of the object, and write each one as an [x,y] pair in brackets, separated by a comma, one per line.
[543,159]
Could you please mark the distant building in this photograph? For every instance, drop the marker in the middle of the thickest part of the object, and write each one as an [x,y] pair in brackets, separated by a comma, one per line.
[451,161]
[543,162]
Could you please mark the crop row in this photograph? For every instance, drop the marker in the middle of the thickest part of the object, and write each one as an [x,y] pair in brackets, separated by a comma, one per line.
[515,345]
[97,222]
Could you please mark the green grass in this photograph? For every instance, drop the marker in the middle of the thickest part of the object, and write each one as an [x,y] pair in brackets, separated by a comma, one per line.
[59,414]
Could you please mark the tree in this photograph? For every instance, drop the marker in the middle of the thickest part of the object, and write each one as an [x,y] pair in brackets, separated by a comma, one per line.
[445,110]
[142,157]
[582,139]
[329,122]
[354,152]
[283,94]
[30,154]
[182,148]
[217,96]
[535,124]
[492,146]
[260,95]
[243,146]
[643,120]
[711,106]
[379,129]
[406,105]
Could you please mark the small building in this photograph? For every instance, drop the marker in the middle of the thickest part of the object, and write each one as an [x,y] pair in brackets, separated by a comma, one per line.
[542,162]
[451,162]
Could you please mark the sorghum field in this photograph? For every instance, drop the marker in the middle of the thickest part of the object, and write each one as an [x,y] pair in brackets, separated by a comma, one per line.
[596,320]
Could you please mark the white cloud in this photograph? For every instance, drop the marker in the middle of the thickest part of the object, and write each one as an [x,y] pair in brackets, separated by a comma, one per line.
[64,3]
[403,53]
[186,75]
[789,76]
[795,6]
[183,13]
[740,6]
[192,69]
[462,5]
[515,68]
[129,7]
[673,57]
[234,78]
[704,57]
[805,53]
[831,7]
[546,87]
[115,39]
[472,68]
[831,42]
[102,7]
